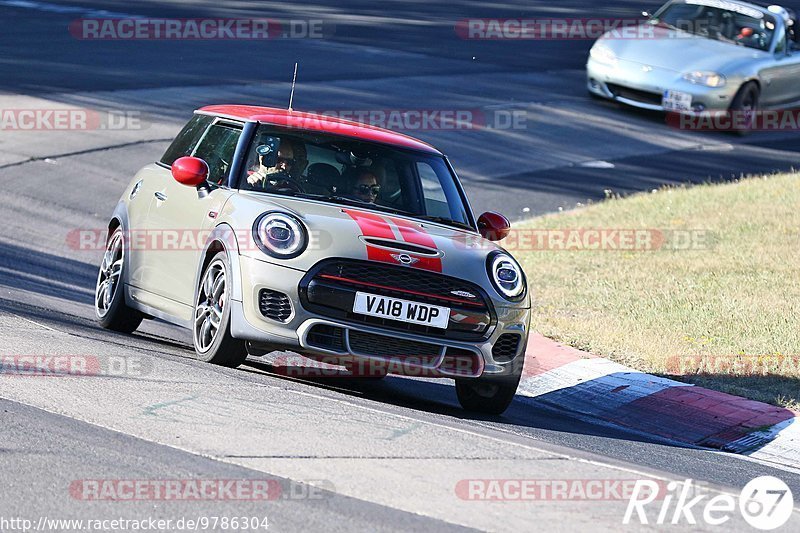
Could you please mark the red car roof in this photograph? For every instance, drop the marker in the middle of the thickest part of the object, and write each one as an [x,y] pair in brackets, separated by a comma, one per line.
[320,123]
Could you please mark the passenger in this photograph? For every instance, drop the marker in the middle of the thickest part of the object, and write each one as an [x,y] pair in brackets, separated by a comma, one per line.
[365,186]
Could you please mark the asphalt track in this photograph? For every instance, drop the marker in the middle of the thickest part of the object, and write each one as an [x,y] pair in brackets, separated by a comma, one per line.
[385,455]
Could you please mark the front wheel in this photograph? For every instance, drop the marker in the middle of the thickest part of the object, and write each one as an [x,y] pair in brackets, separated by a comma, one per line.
[486,396]
[744,108]
[109,295]
[213,342]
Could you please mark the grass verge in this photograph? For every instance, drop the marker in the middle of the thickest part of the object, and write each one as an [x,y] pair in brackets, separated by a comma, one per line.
[708,293]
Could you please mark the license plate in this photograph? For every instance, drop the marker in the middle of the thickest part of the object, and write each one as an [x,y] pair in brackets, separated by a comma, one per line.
[403,310]
[677,101]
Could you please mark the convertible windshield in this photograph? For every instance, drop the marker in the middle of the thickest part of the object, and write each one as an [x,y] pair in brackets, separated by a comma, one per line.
[345,171]
[720,20]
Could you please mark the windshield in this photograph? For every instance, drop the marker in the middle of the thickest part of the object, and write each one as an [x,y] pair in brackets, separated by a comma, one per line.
[720,20]
[344,171]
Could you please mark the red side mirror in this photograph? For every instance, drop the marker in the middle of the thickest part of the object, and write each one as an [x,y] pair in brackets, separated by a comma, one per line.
[494,226]
[190,171]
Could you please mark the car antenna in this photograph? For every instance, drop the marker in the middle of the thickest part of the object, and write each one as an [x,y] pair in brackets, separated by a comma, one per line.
[294,80]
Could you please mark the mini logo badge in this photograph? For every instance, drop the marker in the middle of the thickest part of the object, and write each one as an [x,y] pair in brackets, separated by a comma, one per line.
[463,294]
[404,259]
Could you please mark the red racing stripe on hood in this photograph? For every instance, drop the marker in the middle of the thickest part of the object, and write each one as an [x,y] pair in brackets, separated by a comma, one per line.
[372,225]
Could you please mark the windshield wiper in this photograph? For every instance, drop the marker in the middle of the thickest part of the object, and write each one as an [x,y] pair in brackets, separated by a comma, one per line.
[445,221]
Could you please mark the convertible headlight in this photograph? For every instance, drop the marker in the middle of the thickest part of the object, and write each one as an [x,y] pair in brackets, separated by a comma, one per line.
[280,235]
[603,54]
[709,79]
[506,275]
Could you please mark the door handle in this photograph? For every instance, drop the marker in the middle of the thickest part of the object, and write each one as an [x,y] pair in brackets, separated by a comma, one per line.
[161,196]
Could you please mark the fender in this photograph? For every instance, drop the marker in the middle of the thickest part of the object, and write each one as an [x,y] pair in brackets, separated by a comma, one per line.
[224,235]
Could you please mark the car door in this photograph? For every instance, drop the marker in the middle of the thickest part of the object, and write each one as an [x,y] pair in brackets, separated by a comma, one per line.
[149,180]
[180,214]
[782,77]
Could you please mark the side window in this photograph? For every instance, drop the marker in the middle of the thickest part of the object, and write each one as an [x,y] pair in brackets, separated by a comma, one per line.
[435,199]
[186,140]
[217,148]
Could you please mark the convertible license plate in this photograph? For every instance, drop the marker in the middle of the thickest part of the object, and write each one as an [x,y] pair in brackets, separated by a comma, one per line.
[403,310]
[677,101]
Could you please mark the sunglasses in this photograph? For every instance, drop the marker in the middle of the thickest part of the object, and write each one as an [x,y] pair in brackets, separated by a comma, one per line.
[369,189]
[288,160]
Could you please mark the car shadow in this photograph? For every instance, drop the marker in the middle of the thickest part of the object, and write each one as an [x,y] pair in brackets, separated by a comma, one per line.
[46,274]
[437,396]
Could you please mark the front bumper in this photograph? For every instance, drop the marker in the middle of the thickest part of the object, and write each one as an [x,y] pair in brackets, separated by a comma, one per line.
[643,86]
[443,357]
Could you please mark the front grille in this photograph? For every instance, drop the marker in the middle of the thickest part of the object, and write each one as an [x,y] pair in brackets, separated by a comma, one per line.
[326,337]
[392,347]
[505,349]
[329,290]
[405,281]
[636,95]
[274,305]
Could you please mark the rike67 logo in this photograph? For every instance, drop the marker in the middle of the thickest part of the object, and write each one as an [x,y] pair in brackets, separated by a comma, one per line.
[766,503]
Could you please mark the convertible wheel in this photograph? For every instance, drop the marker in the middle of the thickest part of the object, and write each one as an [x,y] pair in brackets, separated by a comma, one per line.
[746,103]
[486,396]
[109,295]
[212,333]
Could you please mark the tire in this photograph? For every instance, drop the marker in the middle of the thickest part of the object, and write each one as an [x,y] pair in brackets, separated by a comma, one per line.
[211,324]
[486,396]
[109,294]
[746,100]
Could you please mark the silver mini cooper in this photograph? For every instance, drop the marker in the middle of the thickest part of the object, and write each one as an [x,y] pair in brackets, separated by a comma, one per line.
[263,229]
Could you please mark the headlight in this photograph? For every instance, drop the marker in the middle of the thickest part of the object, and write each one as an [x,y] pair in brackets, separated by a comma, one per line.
[280,235]
[603,54]
[506,275]
[709,79]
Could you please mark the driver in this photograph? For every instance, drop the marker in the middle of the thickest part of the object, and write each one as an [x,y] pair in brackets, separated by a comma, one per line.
[364,186]
[267,176]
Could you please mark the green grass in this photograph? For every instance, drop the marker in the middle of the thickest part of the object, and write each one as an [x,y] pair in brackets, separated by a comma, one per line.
[731,303]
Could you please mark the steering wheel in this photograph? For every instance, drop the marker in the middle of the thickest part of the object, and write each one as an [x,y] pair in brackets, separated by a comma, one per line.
[284,184]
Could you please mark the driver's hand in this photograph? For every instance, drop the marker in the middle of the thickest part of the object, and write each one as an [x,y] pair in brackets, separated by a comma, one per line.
[254,178]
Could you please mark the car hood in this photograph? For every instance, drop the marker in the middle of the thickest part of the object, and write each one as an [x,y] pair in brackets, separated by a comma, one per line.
[351,232]
[679,51]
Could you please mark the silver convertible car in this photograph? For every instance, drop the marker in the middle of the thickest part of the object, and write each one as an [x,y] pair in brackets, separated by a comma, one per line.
[263,229]
[702,56]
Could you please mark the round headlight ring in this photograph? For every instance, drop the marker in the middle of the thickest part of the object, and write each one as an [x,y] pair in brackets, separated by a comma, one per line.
[507,276]
[280,235]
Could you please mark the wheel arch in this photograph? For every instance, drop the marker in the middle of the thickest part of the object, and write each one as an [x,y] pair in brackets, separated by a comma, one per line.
[222,239]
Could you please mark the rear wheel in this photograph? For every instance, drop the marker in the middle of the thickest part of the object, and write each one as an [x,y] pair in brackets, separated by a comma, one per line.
[109,294]
[211,329]
[486,396]
[745,107]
